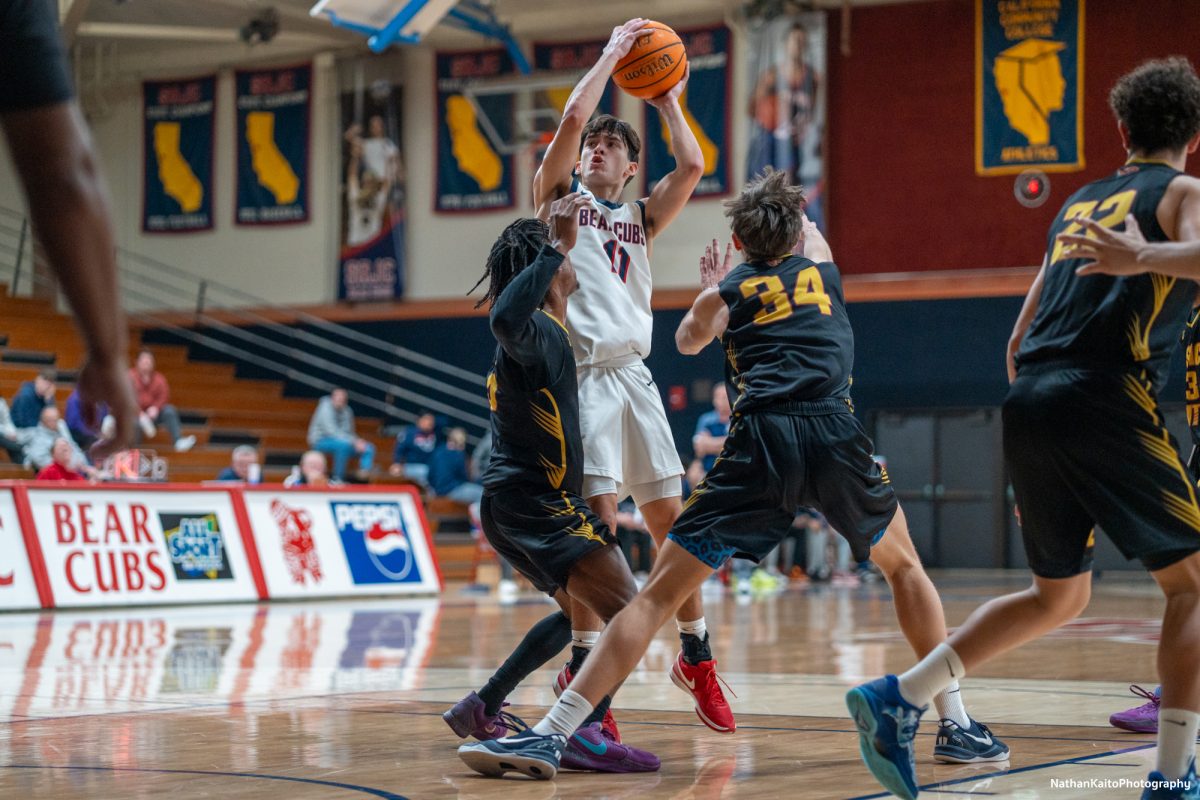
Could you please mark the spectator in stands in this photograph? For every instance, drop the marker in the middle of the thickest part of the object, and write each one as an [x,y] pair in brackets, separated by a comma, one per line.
[243,466]
[152,392]
[448,475]
[331,431]
[712,428]
[81,430]
[414,449]
[32,397]
[632,533]
[312,472]
[39,440]
[9,440]
[63,466]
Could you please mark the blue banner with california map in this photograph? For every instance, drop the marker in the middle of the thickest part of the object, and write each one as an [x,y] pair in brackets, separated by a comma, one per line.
[472,172]
[177,180]
[272,138]
[705,103]
[1028,86]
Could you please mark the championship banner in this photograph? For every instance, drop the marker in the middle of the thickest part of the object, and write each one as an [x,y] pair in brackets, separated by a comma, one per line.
[272,145]
[340,543]
[705,104]
[18,588]
[550,103]
[137,545]
[471,174]
[371,257]
[786,57]
[177,143]
[1028,86]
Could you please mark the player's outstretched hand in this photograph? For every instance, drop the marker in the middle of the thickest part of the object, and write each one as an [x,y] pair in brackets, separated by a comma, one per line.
[1111,252]
[564,221]
[623,37]
[712,267]
[673,94]
[108,383]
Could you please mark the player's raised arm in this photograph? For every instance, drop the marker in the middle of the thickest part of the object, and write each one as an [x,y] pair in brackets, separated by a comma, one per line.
[512,313]
[708,316]
[815,247]
[671,194]
[553,178]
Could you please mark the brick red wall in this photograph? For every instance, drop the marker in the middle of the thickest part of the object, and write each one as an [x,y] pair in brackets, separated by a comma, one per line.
[903,194]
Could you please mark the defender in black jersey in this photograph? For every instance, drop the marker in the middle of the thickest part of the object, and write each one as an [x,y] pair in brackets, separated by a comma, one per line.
[531,511]
[1084,439]
[793,442]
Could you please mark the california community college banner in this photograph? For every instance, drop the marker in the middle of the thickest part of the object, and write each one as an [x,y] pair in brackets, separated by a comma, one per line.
[1029,85]
[705,104]
[786,58]
[178,155]
[371,260]
[471,174]
[272,145]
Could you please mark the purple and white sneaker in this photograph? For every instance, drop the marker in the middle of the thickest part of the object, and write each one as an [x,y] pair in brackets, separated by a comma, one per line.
[1143,718]
[594,749]
[468,718]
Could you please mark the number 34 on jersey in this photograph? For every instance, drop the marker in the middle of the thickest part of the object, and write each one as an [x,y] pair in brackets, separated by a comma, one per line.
[778,303]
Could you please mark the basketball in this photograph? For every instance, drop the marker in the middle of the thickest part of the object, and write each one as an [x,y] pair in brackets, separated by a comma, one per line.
[656,63]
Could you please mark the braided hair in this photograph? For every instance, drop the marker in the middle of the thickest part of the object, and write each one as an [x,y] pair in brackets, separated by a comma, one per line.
[515,248]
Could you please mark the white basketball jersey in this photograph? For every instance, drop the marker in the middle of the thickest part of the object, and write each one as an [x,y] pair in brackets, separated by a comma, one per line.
[609,317]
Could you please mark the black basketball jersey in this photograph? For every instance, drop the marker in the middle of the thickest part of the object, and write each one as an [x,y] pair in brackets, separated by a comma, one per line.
[532,390]
[1191,353]
[1102,320]
[788,337]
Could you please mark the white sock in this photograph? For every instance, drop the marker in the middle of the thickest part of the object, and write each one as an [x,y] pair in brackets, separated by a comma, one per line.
[696,628]
[1176,741]
[566,716]
[949,705]
[585,639]
[934,673]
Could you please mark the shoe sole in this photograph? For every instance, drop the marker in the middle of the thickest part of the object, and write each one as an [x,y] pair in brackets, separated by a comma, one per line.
[494,765]
[678,681]
[452,721]
[950,758]
[1133,728]
[887,773]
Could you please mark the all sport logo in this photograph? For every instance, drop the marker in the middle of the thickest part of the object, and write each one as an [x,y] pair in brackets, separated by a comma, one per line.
[196,546]
[376,542]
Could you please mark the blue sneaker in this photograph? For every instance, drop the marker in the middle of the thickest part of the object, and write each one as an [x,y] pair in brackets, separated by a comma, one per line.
[887,725]
[527,753]
[973,745]
[1185,788]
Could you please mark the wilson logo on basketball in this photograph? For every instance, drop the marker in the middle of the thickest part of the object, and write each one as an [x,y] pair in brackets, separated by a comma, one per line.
[648,69]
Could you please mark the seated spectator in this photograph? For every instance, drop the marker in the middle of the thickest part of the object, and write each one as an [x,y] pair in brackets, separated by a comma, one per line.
[32,397]
[712,428]
[39,440]
[331,431]
[448,476]
[9,441]
[152,392]
[64,466]
[243,466]
[83,434]
[632,534]
[312,472]
[414,449]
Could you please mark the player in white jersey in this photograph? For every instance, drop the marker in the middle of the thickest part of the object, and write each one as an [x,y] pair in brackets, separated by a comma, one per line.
[627,441]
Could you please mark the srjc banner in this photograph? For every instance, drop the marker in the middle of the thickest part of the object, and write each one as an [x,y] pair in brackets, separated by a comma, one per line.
[272,145]
[177,141]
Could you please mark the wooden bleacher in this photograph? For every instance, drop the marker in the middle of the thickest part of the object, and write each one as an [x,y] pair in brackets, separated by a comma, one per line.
[218,408]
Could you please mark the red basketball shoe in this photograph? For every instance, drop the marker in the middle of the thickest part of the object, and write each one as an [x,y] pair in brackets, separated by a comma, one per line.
[702,683]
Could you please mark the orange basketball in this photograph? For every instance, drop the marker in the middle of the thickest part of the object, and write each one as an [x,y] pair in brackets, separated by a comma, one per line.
[656,63]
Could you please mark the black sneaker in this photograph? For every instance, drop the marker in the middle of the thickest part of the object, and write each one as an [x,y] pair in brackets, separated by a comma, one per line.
[973,745]
[527,753]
